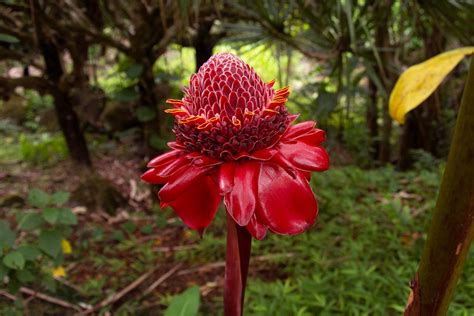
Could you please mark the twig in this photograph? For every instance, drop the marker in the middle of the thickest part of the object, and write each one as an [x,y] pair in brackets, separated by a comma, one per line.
[175,248]
[8,295]
[118,295]
[161,279]
[221,264]
[42,296]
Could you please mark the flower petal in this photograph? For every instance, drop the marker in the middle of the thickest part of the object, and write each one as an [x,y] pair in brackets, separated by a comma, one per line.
[287,205]
[315,137]
[152,177]
[256,229]
[305,156]
[205,161]
[241,201]
[180,181]
[225,178]
[175,145]
[297,130]
[262,154]
[169,169]
[164,158]
[197,205]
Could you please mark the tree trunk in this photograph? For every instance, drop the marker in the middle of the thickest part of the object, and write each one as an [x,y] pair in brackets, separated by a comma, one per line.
[66,116]
[204,43]
[371,119]
[149,98]
[408,141]
[425,129]
[452,228]
[382,42]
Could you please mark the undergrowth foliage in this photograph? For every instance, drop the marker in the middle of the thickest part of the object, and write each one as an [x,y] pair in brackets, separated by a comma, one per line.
[33,252]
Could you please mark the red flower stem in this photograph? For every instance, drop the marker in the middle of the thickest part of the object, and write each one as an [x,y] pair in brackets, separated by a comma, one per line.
[236,267]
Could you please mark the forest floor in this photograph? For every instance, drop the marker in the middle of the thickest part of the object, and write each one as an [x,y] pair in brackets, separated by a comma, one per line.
[358,258]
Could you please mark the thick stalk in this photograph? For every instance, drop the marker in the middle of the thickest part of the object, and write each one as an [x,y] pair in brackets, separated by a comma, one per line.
[452,228]
[236,267]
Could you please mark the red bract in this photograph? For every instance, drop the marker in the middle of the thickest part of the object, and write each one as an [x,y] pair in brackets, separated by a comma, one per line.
[234,139]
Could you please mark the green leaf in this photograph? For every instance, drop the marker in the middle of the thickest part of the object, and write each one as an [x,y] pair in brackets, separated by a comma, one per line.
[38,198]
[67,217]
[59,198]
[145,114]
[31,221]
[157,142]
[126,95]
[147,229]
[51,215]
[14,260]
[7,236]
[134,71]
[24,276]
[3,270]
[161,221]
[50,242]
[129,227]
[6,38]
[117,235]
[185,304]
[29,252]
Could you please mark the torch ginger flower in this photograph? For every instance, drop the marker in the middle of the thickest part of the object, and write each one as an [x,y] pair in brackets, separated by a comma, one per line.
[234,139]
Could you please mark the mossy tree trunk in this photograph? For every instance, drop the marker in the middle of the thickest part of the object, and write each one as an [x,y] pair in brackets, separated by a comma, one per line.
[452,228]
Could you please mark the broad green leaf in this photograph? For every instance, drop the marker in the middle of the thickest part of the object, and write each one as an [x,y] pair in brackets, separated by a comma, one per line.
[418,82]
[6,38]
[67,217]
[14,260]
[38,198]
[31,221]
[59,198]
[51,215]
[50,242]
[30,253]
[185,304]
[145,114]
[7,236]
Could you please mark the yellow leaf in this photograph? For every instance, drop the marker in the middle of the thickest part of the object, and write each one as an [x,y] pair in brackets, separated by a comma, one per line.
[418,82]
[59,272]
[66,246]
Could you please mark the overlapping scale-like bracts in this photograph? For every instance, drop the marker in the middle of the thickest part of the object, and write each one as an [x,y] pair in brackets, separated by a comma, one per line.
[228,111]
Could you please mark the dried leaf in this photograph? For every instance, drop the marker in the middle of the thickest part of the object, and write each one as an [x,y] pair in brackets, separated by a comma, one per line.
[418,82]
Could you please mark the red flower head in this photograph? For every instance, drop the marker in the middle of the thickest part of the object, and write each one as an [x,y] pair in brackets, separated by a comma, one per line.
[234,139]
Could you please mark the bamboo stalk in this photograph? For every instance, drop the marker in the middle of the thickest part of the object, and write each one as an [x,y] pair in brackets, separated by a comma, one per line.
[452,228]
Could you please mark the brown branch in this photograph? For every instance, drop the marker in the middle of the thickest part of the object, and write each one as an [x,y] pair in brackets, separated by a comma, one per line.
[8,54]
[34,83]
